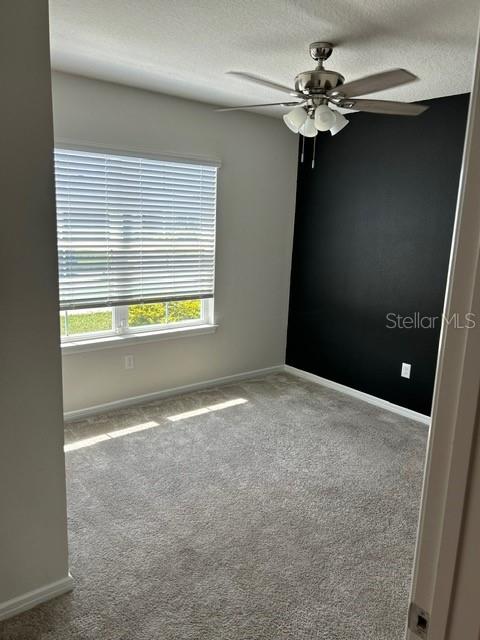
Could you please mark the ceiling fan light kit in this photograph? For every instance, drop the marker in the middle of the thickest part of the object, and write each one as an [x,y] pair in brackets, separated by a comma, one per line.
[324,117]
[340,123]
[308,129]
[295,119]
[316,91]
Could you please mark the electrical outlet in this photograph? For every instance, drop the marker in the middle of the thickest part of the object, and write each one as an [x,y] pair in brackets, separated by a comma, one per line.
[406,370]
[129,362]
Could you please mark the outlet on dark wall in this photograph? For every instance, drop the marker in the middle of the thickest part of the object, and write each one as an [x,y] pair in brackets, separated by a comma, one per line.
[373,230]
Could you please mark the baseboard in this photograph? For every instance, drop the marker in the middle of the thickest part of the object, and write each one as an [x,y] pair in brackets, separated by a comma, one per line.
[378,402]
[148,397]
[37,596]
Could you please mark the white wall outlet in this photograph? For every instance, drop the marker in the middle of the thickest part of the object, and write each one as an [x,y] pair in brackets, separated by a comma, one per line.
[406,370]
[129,362]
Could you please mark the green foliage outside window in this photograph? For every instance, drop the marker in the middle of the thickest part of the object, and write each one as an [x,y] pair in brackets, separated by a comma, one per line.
[163,312]
[184,310]
[140,315]
[86,322]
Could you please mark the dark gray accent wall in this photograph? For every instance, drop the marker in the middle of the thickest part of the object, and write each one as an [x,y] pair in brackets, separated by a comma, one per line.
[373,230]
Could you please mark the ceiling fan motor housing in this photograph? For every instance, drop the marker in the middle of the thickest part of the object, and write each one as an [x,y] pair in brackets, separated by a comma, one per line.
[318,81]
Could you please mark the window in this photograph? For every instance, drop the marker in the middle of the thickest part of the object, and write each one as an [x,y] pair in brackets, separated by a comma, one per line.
[136,243]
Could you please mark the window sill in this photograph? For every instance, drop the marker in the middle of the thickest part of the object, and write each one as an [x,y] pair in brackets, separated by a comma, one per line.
[112,342]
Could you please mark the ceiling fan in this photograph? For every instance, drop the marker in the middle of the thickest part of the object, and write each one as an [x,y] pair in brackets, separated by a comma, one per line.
[319,90]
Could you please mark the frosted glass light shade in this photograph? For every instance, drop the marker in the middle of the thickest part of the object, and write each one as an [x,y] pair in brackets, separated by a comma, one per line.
[295,118]
[309,130]
[339,124]
[324,118]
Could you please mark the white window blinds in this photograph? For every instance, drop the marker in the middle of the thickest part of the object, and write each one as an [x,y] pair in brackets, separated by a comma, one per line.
[133,230]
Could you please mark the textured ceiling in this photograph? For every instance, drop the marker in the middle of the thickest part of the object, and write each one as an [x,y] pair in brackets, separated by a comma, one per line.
[184,47]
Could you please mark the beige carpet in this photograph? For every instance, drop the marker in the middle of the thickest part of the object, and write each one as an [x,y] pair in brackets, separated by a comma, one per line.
[270,509]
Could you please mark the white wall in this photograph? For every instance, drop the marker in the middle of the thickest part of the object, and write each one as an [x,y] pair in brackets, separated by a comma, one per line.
[33,528]
[256,203]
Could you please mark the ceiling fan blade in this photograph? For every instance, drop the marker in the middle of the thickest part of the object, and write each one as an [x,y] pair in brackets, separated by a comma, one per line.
[384,106]
[267,104]
[266,83]
[371,84]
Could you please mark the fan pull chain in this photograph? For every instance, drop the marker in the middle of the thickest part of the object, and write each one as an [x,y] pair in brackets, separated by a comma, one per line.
[303,149]
[313,156]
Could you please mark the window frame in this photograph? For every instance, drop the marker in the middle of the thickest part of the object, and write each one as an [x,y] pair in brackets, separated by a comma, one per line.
[121,329]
